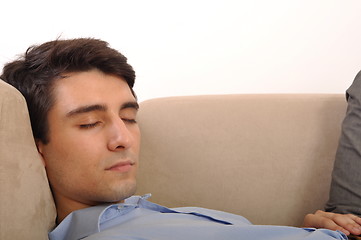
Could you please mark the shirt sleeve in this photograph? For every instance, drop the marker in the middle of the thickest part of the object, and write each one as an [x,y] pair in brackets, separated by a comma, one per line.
[345,192]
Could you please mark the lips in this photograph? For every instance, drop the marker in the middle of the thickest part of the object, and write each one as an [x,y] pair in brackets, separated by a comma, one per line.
[121,166]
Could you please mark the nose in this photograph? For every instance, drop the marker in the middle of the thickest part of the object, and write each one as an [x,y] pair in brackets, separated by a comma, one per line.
[120,137]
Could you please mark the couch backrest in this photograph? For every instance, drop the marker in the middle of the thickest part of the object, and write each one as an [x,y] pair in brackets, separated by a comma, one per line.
[266,157]
[27,209]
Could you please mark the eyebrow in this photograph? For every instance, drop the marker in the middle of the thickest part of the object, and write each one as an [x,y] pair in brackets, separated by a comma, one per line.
[99,107]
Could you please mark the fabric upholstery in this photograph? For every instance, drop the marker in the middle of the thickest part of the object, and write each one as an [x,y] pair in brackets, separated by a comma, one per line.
[266,157]
[26,206]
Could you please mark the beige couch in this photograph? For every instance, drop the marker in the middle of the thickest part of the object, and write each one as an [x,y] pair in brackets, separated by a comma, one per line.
[266,157]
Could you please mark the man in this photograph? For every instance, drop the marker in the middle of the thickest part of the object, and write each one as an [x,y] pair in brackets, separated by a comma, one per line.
[83,115]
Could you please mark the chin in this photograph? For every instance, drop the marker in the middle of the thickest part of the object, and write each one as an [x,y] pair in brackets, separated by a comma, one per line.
[124,191]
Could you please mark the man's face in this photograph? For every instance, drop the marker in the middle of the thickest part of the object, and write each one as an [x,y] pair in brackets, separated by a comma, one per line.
[92,155]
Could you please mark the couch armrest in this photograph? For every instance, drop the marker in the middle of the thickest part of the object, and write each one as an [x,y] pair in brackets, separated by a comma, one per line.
[26,206]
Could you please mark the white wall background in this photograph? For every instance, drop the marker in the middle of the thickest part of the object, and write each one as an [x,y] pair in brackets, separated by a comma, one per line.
[204,46]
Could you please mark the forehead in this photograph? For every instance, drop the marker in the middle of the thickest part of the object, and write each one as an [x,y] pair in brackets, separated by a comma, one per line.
[91,87]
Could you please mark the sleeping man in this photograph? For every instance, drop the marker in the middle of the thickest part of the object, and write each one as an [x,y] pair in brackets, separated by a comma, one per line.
[83,114]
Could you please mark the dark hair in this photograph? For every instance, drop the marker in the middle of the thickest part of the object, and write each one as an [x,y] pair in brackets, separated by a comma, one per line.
[34,73]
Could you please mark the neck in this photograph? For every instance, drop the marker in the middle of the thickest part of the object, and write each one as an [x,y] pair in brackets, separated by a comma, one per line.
[66,206]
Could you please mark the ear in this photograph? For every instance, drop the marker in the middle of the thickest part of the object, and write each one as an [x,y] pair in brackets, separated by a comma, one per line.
[40,147]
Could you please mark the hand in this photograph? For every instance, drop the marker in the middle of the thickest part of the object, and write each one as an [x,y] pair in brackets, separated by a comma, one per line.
[346,223]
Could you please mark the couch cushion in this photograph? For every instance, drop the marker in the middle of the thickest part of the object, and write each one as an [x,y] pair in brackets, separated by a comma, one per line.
[26,206]
[266,157]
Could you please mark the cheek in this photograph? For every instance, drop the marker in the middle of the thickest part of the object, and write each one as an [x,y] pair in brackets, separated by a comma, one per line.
[68,154]
[67,165]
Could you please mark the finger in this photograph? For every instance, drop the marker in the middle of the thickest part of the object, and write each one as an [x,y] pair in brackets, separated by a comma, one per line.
[325,214]
[330,224]
[348,222]
[319,221]
[355,218]
[333,215]
[353,227]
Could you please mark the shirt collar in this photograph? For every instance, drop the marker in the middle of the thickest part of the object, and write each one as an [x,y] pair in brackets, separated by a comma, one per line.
[82,223]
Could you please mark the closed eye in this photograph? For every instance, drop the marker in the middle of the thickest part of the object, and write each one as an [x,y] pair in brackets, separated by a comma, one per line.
[127,120]
[88,125]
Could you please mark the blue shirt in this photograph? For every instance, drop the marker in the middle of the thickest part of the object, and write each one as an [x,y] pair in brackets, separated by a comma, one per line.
[140,219]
